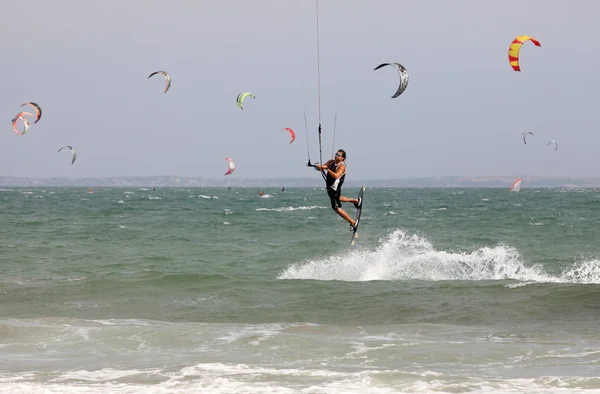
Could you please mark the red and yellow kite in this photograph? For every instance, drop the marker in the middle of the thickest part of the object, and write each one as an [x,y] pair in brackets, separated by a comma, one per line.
[515,48]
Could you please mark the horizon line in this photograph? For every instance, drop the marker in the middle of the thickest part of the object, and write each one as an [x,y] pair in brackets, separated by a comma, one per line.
[304,178]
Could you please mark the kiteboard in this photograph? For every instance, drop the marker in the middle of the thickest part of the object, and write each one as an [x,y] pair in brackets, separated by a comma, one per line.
[358,212]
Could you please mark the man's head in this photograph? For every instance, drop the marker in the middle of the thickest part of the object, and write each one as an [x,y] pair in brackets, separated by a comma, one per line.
[340,155]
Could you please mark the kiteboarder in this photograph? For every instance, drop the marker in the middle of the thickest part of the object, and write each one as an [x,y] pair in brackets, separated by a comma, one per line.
[336,173]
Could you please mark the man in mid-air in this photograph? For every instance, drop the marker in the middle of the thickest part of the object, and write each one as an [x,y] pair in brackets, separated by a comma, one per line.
[336,172]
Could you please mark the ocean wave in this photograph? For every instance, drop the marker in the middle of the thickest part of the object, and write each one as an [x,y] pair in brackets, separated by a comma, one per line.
[289,209]
[402,256]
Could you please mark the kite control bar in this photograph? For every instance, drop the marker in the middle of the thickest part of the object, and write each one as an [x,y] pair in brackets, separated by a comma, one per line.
[309,164]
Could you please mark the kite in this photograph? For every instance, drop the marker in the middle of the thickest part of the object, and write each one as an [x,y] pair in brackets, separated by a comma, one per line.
[241,97]
[38,110]
[231,165]
[403,76]
[292,133]
[167,78]
[73,154]
[515,48]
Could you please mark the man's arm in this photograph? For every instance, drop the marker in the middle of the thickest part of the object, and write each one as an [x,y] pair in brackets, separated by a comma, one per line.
[324,166]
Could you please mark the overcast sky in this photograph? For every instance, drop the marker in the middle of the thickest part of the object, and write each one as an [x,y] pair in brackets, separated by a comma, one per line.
[86,64]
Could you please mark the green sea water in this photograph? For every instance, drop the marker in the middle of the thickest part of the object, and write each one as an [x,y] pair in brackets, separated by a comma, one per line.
[218,290]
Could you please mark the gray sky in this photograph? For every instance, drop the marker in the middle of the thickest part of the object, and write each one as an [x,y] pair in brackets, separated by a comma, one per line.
[86,63]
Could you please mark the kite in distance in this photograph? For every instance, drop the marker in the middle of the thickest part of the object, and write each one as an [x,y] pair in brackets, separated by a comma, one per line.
[524,136]
[38,110]
[292,133]
[555,144]
[26,124]
[515,48]
[73,154]
[403,76]
[231,166]
[241,97]
[164,74]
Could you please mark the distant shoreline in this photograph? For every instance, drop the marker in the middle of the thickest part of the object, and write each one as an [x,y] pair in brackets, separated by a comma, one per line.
[425,182]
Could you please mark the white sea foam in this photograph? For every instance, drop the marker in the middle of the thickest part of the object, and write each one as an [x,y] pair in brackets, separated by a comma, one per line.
[56,355]
[221,378]
[289,209]
[402,256]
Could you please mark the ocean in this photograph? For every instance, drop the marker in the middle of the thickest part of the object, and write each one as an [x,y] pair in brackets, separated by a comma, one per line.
[211,290]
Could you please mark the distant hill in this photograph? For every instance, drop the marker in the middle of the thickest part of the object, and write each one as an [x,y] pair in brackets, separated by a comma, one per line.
[175,181]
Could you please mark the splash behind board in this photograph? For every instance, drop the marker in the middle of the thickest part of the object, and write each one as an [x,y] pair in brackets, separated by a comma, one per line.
[358,212]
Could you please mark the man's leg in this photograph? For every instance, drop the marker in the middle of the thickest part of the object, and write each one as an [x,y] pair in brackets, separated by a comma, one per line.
[335,199]
[345,215]
[354,201]
[347,199]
